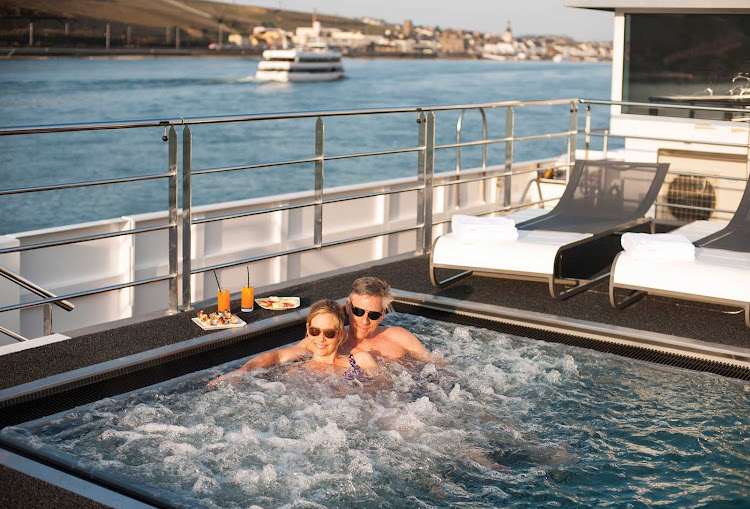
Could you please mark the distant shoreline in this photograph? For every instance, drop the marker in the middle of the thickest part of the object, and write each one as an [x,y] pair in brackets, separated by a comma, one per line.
[9,53]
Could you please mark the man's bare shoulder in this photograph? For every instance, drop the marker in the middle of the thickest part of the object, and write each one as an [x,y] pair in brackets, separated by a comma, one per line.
[397,334]
[408,341]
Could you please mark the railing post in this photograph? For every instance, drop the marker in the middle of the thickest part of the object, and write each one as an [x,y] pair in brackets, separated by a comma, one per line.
[425,172]
[604,143]
[484,154]
[457,187]
[459,126]
[572,137]
[187,219]
[47,311]
[429,172]
[421,158]
[587,137]
[319,168]
[173,254]
[509,135]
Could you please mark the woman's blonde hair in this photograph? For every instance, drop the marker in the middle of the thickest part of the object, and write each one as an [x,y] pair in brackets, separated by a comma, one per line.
[328,306]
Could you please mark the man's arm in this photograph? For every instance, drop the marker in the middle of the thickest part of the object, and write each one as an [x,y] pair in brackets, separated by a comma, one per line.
[410,343]
[266,360]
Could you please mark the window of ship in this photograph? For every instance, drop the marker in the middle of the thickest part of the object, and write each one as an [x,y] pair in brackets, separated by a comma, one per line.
[689,59]
[319,59]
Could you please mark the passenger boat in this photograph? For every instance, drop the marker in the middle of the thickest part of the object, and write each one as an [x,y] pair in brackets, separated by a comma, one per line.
[312,63]
[126,307]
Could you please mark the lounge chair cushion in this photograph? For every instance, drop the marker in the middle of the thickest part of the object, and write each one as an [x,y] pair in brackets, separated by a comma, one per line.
[716,273]
[533,252]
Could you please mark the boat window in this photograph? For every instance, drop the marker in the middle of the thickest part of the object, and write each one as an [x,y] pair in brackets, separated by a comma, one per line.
[689,59]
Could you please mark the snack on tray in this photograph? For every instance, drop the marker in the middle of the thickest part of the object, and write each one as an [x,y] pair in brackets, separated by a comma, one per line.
[275,302]
[203,317]
[218,320]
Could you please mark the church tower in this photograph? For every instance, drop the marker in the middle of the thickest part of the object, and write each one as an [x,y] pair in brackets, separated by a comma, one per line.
[508,35]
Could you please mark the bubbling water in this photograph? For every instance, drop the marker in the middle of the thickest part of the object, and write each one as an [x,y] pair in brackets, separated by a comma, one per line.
[498,421]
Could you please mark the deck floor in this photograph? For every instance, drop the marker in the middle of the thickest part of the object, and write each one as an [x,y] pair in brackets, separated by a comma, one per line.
[705,322]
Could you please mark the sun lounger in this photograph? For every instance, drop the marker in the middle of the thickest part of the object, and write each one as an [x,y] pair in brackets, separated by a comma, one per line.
[601,199]
[719,273]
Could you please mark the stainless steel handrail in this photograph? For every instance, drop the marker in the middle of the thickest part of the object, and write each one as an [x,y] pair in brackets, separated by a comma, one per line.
[87,238]
[86,293]
[34,288]
[490,175]
[652,138]
[61,301]
[662,105]
[251,259]
[458,145]
[74,185]
[606,134]
[12,334]
[317,203]
[25,283]
[424,185]
[138,124]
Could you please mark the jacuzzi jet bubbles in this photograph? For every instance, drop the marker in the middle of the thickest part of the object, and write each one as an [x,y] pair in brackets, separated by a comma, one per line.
[498,421]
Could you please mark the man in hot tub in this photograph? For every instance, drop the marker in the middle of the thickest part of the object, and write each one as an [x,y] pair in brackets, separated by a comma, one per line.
[366,307]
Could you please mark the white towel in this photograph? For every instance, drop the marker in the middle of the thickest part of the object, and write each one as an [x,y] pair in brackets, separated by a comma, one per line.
[472,229]
[660,246]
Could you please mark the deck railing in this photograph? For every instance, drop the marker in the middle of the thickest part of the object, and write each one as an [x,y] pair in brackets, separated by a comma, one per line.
[424,184]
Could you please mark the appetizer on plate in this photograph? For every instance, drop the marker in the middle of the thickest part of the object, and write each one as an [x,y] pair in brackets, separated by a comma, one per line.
[217,320]
[275,302]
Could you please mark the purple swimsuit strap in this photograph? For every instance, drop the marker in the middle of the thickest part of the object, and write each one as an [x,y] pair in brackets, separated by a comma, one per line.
[354,371]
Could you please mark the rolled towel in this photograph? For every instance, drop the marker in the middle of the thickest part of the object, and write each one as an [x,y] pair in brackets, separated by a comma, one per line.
[660,246]
[472,229]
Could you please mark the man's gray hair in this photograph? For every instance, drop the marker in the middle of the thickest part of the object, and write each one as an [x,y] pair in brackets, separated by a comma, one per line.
[374,287]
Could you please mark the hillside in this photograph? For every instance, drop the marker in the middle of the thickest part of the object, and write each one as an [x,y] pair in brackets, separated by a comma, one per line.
[145,22]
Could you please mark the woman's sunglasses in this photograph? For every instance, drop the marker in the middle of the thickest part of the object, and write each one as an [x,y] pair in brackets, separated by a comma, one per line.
[315,332]
[372,315]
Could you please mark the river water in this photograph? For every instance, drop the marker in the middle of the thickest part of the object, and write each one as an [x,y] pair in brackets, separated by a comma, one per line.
[55,91]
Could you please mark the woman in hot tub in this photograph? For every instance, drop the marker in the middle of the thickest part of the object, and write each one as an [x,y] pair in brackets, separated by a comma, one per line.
[325,334]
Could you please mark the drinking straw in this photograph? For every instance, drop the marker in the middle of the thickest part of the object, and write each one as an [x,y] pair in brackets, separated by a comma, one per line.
[217,280]
[248,276]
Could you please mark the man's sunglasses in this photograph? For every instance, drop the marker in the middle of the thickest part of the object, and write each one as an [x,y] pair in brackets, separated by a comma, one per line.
[372,315]
[315,332]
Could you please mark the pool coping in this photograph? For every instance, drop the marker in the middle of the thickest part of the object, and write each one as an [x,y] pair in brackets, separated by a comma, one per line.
[717,352]
[68,482]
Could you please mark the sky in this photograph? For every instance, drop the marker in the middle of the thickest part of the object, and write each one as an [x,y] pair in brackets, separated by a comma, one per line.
[527,17]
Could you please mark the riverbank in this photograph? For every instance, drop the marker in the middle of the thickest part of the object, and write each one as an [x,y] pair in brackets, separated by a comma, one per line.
[52,52]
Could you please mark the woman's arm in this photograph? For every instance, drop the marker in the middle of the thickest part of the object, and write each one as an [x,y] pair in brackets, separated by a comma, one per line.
[367,362]
[265,360]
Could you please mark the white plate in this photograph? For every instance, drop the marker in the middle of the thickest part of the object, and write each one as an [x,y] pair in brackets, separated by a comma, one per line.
[204,326]
[279,305]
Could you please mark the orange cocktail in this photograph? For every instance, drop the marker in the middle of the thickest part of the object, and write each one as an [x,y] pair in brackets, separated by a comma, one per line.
[248,294]
[223,300]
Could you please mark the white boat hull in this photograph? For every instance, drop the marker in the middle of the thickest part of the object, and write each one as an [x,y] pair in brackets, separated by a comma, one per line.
[285,76]
[299,65]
